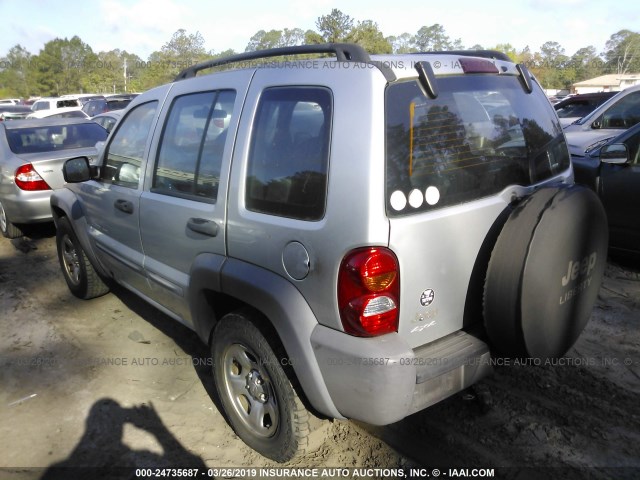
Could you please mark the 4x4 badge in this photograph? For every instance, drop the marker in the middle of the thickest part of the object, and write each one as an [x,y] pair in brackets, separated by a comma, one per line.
[427,297]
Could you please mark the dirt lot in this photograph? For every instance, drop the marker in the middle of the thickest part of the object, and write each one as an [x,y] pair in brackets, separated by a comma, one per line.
[113,382]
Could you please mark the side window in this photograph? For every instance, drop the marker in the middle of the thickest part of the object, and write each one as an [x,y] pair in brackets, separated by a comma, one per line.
[44,105]
[633,147]
[192,144]
[123,158]
[623,114]
[289,153]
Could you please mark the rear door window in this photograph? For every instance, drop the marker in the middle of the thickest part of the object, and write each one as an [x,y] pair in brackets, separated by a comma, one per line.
[192,144]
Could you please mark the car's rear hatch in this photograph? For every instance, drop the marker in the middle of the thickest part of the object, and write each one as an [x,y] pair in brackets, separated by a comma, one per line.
[47,145]
[49,164]
[454,163]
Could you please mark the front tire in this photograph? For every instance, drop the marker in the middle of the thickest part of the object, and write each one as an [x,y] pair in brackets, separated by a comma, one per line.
[262,406]
[82,279]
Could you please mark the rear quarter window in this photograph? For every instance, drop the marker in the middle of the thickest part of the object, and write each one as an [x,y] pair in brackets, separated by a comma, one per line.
[289,153]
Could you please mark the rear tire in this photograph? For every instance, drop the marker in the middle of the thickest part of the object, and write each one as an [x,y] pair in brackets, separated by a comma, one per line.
[260,403]
[82,279]
[8,229]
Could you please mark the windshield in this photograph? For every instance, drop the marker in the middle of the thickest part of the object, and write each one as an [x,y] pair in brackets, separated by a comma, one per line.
[481,134]
[55,137]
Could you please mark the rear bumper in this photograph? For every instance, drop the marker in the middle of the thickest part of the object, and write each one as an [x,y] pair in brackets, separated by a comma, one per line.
[28,207]
[382,380]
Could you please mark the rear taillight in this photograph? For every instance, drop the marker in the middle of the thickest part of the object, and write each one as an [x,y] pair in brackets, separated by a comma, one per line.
[28,179]
[369,292]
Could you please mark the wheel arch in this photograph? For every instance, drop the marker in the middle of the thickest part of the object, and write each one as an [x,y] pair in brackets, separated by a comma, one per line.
[219,285]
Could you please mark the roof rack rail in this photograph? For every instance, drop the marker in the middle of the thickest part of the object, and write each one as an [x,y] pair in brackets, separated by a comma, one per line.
[345,52]
[492,54]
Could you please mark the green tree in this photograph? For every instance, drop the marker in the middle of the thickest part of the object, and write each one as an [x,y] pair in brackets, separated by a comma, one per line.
[108,76]
[59,67]
[623,52]
[15,73]
[292,37]
[404,43]
[334,27]
[263,40]
[368,35]
[311,37]
[182,51]
[275,38]
[586,63]
[551,66]
[508,50]
[434,38]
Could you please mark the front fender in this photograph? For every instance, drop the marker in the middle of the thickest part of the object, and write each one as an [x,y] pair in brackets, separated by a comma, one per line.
[64,203]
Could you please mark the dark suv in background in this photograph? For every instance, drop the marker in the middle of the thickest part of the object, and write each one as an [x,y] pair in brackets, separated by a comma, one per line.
[107,104]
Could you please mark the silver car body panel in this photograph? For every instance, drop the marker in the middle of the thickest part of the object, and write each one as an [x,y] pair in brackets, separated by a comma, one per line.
[356,165]
[24,206]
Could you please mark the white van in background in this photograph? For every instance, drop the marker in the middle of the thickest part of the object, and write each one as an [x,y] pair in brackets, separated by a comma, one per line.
[50,105]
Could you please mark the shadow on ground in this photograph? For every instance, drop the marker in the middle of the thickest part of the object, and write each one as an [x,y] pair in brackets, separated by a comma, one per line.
[101,452]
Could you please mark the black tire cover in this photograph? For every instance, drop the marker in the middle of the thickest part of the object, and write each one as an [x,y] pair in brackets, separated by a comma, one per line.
[545,272]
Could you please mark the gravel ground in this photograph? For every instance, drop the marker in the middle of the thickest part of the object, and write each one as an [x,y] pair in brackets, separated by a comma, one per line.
[114,382]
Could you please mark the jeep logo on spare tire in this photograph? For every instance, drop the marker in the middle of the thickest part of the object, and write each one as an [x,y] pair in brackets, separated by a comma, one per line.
[582,268]
[556,233]
[578,270]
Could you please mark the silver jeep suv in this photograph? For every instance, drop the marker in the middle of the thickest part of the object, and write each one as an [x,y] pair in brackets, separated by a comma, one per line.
[356,237]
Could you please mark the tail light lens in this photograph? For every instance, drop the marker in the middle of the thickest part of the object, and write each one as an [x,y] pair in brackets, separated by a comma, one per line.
[28,179]
[369,292]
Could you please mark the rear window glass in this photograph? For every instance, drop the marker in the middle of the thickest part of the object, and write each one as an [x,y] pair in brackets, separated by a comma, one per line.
[58,137]
[480,135]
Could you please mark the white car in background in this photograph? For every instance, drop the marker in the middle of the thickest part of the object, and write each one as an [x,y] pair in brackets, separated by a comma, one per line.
[47,106]
[10,101]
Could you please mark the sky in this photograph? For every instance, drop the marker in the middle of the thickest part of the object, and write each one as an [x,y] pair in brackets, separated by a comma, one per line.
[144,26]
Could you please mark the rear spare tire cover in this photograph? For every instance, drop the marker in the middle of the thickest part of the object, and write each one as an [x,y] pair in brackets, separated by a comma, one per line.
[545,272]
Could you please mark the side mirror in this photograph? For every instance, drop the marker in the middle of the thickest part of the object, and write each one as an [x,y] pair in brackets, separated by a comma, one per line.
[597,124]
[76,170]
[616,154]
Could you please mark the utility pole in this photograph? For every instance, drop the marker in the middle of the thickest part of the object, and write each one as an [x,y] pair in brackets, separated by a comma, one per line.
[125,75]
